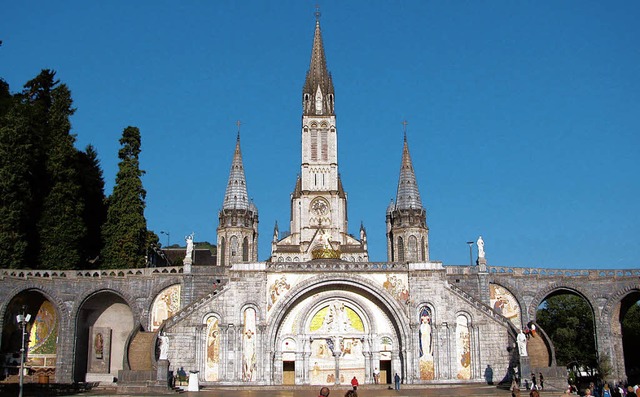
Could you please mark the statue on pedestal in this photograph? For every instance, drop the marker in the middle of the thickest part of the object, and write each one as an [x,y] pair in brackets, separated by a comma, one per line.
[521,339]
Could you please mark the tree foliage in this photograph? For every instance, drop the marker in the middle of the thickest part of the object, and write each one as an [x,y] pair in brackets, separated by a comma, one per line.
[61,227]
[631,342]
[568,320]
[125,231]
[43,220]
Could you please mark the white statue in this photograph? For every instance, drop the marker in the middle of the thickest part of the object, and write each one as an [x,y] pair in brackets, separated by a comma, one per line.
[521,339]
[326,240]
[189,240]
[164,346]
[425,336]
[480,248]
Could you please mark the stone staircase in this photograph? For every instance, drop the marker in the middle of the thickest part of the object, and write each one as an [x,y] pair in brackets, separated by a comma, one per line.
[538,351]
[141,351]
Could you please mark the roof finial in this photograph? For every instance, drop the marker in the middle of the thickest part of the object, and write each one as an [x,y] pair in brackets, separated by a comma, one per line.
[238,123]
[404,129]
[317,13]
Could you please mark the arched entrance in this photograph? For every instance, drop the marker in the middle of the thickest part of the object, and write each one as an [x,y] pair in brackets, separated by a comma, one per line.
[40,340]
[104,323]
[334,332]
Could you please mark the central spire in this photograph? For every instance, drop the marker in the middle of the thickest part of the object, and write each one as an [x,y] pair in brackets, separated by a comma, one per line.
[317,93]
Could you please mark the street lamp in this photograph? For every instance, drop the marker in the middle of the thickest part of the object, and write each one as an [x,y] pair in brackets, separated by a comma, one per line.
[168,237]
[470,252]
[23,320]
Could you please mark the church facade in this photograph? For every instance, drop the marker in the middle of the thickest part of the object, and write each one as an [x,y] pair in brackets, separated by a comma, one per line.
[318,312]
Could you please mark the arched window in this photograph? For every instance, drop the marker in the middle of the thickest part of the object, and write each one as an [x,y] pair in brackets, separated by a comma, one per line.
[400,250]
[245,250]
[222,251]
[413,249]
[233,242]
[423,246]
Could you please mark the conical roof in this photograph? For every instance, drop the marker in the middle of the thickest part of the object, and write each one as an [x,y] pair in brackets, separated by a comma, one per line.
[318,74]
[236,195]
[408,195]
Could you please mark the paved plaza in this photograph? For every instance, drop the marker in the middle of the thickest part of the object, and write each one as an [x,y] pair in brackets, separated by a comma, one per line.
[366,391]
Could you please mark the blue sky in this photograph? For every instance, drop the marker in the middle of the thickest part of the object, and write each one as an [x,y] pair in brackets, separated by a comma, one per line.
[523,116]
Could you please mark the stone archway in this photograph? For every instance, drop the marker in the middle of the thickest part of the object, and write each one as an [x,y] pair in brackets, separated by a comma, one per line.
[40,339]
[341,323]
[104,323]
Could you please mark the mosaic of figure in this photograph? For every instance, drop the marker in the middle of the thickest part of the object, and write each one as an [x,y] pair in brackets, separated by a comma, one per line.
[463,347]
[98,346]
[426,349]
[213,350]
[503,302]
[166,304]
[396,287]
[279,286]
[249,345]
[44,330]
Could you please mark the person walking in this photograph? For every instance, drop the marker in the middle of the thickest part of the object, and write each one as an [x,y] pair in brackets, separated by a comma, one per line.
[376,376]
[354,383]
[396,380]
[541,380]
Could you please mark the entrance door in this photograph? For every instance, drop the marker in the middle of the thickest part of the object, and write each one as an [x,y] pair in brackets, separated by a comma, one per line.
[288,372]
[385,372]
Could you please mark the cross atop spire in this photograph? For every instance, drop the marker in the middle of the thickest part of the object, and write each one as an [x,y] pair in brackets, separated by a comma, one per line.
[317,93]
[238,123]
[404,129]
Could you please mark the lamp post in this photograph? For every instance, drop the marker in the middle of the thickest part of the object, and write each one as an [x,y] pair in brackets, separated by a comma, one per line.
[470,252]
[168,236]
[23,320]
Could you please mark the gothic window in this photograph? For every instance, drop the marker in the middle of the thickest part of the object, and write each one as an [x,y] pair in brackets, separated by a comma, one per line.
[233,241]
[245,250]
[424,250]
[222,251]
[324,145]
[413,248]
[400,250]
[314,145]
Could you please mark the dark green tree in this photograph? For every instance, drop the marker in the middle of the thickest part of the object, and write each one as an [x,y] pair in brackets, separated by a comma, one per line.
[631,342]
[16,193]
[125,231]
[95,206]
[61,225]
[568,320]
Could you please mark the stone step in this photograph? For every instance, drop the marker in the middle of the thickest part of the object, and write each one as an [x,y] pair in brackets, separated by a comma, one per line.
[141,351]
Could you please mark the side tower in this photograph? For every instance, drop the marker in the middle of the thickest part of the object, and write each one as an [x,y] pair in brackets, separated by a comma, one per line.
[318,226]
[407,231]
[238,218]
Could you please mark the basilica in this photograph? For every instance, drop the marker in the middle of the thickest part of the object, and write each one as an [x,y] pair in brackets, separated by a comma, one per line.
[317,312]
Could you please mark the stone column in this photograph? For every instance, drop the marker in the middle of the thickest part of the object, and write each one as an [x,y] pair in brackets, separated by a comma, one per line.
[414,373]
[261,359]
[366,352]
[200,348]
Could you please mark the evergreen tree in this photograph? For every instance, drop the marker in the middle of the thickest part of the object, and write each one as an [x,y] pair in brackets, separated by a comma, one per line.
[16,197]
[95,207]
[60,227]
[125,231]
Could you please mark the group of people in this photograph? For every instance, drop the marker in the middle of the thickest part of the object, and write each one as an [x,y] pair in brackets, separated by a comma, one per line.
[605,390]
[324,391]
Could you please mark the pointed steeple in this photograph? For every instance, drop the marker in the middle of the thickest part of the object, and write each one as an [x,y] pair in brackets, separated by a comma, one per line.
[318,94]
[236,195]
[408,195]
